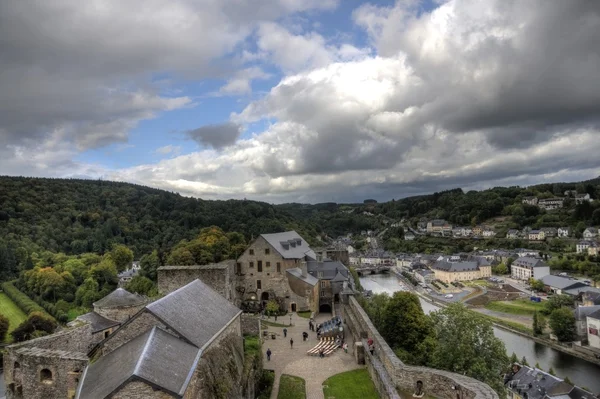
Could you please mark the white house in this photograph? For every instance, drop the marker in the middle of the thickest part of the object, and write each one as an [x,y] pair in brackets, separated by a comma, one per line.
[581,198]
[590,232]
[350,249]
[551,203]
[530,200]
[488,232]
[512,234]
[564,232]
[525,268]
[582,246]
[466,231]
[409,236]
[593,325]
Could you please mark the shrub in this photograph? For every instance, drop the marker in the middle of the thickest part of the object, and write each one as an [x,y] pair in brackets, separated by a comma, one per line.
[4,324]
[37,324]
[26,304]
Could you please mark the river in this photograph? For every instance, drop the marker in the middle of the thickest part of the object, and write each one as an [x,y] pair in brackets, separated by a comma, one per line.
[581,372]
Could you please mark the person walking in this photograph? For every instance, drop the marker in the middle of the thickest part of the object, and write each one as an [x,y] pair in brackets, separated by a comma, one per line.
[285,333]
[292,343]
[269,354]
[345,346]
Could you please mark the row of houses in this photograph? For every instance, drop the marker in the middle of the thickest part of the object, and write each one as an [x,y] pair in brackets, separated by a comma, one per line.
[550,204]
[524,382]
[549,232]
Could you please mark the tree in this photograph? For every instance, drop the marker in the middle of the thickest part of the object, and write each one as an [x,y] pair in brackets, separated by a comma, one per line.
[180,257]
[513,358]
[562,323]
[551,371]
[524,361]
[36,322]
[501,269]
[87,293]
[122,257]
[467,345]
[538,326]
[142,285]
[557,302]
[536,285]
[404,324]
[149,263]
[375,308]
[272,307]
[4,325]
[509,263]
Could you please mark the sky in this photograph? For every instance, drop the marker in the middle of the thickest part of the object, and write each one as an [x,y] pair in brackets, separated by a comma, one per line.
[301,100]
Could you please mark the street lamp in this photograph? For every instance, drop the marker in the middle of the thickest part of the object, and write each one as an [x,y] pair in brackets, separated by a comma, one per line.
[290,319]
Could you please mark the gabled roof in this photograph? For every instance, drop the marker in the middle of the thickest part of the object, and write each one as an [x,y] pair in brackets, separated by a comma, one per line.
[592,295]
[290,245]
[195,311]
[595,315]
[339,277]
[561,283]
[309,279]
[155,357]
[120,297]
[98,322]
[581,312]
[528,262]
[455,266]
[329,269]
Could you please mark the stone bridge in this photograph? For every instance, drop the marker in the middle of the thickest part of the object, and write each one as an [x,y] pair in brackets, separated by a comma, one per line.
[364,270]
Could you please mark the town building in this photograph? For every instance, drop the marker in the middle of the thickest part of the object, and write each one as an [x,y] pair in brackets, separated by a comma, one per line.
[581,198]
[530,201]
[439,226]
[549,232]
[593,329]
[126,275]
[564,232]
[466,231]
[524,382]
[581,322]
[477,231]
[551,203]
[582,246]
[590,298]
[536,235]
[424,276]
[448,270]
[409,236]
[525,268]
[488,232]
[593,248]
[562,285]
[512,234]
[590,233]
[331,276]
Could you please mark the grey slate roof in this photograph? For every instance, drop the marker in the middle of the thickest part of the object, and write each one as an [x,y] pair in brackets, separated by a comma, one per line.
[540,381]
[120,297]
[329,269]
[455,266]
[128,273]
[195,311]
[561,282]
[595,315]
[290,245]
[580,288]
[309,279]
[339,277]
[593,296]
[155,357]
[98,322]
[581,312]
[528,262]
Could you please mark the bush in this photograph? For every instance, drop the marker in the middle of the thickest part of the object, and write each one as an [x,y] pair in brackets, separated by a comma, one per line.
[410,278]
[265,384]
[37,324]
[26,304]
[4,324]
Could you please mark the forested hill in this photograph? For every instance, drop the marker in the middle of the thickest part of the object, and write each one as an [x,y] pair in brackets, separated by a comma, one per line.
[78,216]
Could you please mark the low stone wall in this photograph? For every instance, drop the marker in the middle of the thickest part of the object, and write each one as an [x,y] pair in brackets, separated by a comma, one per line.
[387,369]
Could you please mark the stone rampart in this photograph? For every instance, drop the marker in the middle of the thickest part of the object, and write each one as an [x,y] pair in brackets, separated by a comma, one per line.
[388,370]
[250,324]
[217,276]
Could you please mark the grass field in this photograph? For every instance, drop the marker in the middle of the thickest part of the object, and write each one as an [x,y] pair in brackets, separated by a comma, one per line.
[9,309]
[517,307]
[291,387]
[355,384]
[510,324]
[306,314]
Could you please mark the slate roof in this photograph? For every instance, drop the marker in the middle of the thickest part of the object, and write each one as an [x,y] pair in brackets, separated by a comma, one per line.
[595,315]
[296,248]
[195,311]
[155,357]
[581,312]
[561,282]
[455,266]
[540,382]
[581,288]
[339,277]
[128,273]
[98,322]
[330,269]
[309,279]
[120,297]
[593,296]
[528,262]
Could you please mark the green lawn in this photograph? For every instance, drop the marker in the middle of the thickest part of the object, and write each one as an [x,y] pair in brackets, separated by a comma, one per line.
[306,314]
[291,387]
[251,345]
[355,384]
[518,307]
[9,309]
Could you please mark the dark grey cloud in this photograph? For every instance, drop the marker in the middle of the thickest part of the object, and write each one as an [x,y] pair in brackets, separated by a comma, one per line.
[216,136]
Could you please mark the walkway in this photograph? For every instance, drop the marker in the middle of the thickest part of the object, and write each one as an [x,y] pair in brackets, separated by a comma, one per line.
[313,369]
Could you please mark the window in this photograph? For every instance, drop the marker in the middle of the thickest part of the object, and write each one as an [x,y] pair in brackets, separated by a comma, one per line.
[267,251]
[278,267]
[258,285]
[251,265]
[238,268]
[322,284]
[268,264]
[322,293]
[46,376]
[106,334]
[259,266]
[251,252]
[320,274]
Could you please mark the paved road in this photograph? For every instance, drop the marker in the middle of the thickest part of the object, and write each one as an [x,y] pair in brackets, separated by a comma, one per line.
[314,370]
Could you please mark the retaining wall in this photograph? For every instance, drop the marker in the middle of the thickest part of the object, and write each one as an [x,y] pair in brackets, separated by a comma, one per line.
[388,371]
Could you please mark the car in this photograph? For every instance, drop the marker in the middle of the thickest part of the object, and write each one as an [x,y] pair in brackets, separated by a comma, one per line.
[449,296]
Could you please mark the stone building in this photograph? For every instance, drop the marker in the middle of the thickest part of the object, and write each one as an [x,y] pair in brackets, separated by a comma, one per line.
[274,267]
[120,305]
[463,270]
[218,276]
[176,347]
[331,275]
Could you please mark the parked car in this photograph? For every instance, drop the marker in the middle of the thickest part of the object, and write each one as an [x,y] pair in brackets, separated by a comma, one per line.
[449,296]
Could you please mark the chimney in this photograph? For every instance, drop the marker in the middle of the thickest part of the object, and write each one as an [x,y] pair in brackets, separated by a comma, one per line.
[303,268]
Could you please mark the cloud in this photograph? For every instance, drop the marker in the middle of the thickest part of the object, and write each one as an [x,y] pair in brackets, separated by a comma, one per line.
[93,70]
[241,82]
[469,94]
[168,149]
[216,136]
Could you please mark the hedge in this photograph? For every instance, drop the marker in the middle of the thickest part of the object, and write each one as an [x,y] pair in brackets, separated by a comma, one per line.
[25,303]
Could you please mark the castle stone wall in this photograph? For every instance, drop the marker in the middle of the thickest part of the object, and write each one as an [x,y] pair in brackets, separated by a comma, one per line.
[120,313]
[142,323]
[387,369]
[218,276]
[250,324]
[140,390]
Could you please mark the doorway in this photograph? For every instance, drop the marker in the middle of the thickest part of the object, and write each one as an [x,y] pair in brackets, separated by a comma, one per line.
[325,308]
[293,307]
